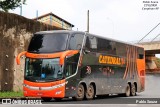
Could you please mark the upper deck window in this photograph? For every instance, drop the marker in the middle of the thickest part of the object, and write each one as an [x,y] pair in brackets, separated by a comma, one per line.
[140,53]
[75,42]
[48,43]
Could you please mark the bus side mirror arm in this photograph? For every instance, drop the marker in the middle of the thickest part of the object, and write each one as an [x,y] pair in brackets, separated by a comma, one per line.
[19,57]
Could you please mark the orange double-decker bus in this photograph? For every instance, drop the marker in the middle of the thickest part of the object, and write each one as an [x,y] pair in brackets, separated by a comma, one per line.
[61,64]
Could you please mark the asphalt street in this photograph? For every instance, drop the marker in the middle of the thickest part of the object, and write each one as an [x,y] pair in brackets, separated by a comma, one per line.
[148,98]
[152,91]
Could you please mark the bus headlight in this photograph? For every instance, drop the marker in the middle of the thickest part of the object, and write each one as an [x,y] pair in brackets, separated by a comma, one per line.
[58,86]
[44,88]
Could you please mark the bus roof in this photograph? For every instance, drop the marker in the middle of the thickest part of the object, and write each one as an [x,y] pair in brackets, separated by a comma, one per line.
[59,31]
[71,31]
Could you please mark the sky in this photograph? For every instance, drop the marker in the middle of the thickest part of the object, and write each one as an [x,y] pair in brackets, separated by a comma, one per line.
[124,20]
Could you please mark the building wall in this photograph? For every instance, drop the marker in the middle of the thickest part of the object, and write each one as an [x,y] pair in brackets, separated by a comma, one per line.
[15,34]
[51,20]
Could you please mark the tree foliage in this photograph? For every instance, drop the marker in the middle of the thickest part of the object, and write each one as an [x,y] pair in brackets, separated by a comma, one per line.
[6,5]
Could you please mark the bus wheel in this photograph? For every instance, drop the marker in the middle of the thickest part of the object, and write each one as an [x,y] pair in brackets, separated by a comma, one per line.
[57,99]
[46,99]
[80,93]
[133,90]
[90,92]
[128,89]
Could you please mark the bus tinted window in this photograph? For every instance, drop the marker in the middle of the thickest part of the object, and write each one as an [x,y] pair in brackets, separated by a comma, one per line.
[106,46]
[70,68]
[140,53]
[75,42]
[141,56]
[43,69]
[91,43]
[103,45]
[48,43]
[121,49]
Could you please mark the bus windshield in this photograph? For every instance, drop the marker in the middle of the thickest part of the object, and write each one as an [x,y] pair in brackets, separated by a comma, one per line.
[43,70]
[48,43]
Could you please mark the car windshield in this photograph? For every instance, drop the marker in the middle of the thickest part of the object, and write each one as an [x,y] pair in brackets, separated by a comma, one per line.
[48,43]
[43,70]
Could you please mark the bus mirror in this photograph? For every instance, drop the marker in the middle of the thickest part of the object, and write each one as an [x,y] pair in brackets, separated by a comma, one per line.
[66,53]
[19,56]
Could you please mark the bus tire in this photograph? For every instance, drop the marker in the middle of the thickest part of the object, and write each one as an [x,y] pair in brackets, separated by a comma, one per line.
[90,92]
[80,93]
[133,90]
[127,91]
[46,99]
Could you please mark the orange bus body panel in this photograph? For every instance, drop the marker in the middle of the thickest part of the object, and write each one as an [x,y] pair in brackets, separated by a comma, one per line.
[67,53]
[33,55]
[141,72]
[58,92]
[61,55]
[40,89]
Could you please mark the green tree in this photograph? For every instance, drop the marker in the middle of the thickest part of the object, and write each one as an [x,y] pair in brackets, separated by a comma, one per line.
[6,5]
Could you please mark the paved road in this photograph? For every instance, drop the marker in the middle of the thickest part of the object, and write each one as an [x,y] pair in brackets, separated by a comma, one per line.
[152,91]
[84,105]
[152,86]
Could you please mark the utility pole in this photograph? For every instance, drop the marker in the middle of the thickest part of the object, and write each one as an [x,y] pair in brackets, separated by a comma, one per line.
[21,10]
[88,21]
[37,15]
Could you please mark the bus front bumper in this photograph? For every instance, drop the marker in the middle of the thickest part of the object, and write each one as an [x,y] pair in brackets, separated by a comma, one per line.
[31,89]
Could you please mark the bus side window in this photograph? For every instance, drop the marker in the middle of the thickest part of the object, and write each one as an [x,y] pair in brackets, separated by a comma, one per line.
[70,69]
[141,56]
[91,43]
[75,42]
[121,49]
[87,43]
[140,53]
[106,46]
